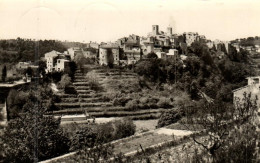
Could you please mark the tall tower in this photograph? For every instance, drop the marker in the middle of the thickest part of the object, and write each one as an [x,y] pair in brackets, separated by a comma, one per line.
[169,31]
[155,29]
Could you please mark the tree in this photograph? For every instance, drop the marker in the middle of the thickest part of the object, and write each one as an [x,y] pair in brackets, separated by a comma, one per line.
[152,55]
[65,81]
[222,124]
[4,73]
[33,137]
[80,60]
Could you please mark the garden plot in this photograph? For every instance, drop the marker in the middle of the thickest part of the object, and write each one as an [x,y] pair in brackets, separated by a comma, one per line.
[167,131]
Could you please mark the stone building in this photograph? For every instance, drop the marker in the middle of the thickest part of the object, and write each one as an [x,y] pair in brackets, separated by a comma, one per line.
[172,54]
[56,61]
[133,55]
[191,37]
[108,54]
[157,40]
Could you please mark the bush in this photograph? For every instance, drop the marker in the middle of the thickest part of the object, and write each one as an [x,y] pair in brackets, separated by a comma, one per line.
[169,117]
[93,82]
[124,128]
[164,102]
[65,81]
[132,105]
[85,137]
[121,101]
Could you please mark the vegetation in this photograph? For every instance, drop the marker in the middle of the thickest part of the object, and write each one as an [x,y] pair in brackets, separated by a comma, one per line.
[21,50]
[227,128]
[170,117]
[93,82]
[4,73]
[65,81]
[29,137]
[201,71]
[17,99]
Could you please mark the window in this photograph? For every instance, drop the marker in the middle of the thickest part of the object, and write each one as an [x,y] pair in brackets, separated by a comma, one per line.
[256,80]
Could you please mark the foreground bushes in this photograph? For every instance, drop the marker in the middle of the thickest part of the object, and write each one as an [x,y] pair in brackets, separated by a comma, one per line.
[88,136]
[24,141]
[124,128]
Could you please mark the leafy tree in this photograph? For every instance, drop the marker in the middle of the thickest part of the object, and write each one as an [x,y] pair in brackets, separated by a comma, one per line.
[80,60]
[152,55]
[15,102]
[32,136]
[148,69]
[4,73]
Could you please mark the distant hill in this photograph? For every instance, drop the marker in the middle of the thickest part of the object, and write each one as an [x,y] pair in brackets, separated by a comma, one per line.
[16,50]
[250,41]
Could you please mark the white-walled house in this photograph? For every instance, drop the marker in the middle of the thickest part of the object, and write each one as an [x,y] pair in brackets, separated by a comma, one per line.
[56,61]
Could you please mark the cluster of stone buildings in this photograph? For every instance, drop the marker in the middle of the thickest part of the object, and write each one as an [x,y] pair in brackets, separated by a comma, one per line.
[56,61]
[251,49]
[164,44]
[129,50]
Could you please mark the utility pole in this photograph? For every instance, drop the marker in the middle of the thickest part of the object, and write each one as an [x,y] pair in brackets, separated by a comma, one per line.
[175,78]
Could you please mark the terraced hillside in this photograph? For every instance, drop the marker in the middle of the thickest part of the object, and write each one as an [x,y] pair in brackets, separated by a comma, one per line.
[100,102]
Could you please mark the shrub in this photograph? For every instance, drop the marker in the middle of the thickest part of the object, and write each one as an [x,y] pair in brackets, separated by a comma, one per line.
[121,101]
[124,128]
[164,102]
[181,99]
[132,105]
[65,81]
[169,117]
[93,82]
[85,137]
[105,132]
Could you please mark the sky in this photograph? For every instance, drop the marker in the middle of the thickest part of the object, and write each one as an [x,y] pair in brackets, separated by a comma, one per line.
[108,20]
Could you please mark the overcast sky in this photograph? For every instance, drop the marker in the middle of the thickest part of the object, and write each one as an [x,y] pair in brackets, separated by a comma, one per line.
[108,20]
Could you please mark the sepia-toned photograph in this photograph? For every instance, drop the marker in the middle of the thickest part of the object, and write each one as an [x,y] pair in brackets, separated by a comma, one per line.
[129,81]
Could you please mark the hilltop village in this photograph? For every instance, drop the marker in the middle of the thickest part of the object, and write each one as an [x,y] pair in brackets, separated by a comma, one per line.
[129,50]
[164,97]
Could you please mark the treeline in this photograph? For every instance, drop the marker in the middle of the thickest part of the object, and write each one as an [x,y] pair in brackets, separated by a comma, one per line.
[202,71]
[16,50]
[250,41]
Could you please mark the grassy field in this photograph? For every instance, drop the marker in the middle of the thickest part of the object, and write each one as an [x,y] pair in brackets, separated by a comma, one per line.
[144,125]
[144,141]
